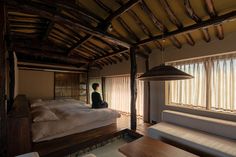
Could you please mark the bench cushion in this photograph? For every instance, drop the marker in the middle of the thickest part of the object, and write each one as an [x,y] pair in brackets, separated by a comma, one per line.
[211,125]
[211,144]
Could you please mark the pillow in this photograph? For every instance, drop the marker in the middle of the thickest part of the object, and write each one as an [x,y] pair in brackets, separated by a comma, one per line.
[43,114]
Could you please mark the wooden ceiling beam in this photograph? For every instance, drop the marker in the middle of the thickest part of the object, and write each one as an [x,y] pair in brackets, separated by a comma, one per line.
[173,18]
[111,54]
[207,23]
[47,54]
[190,12]
[157,23]
[36,9]
[78,44]
[144,28]
[103,6]
[106,23]
[213,14]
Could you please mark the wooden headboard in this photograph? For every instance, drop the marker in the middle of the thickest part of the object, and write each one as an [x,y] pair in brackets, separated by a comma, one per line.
[19,127]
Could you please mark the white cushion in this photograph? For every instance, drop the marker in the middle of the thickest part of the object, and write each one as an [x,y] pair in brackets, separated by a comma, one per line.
[212,125]
[211,144]
[41,114]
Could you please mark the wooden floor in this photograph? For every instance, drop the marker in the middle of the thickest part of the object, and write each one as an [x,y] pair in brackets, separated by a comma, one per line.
[72,143]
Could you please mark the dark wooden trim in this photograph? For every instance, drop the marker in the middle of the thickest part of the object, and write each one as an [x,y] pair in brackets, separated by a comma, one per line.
[148,94]
[133,87]
[3,124]
[203,24]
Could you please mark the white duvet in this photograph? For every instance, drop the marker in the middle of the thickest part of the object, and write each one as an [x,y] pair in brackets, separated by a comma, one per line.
[71,115]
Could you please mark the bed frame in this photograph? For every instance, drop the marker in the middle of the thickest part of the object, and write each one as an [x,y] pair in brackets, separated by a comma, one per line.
[20,139]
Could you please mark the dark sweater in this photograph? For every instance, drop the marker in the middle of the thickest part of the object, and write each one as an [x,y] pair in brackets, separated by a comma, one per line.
[96,100]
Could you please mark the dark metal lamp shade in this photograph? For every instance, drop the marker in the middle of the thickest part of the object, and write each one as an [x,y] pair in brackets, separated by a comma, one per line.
[164,73]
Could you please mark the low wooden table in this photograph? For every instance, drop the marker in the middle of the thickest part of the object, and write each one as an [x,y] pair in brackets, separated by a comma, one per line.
[148,147]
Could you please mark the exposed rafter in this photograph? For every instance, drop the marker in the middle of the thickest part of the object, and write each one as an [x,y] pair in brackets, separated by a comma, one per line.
[105,24]
[78,44]
[158,24]
[172,17]
[212,12]
[203,24]
[47,54]
[190,12]
[35,8]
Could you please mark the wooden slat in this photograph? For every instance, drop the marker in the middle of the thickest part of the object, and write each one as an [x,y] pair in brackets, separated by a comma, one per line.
[213,14]
[203,24]
[133,88]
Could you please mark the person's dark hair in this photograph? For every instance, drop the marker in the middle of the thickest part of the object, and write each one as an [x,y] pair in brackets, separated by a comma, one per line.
[95,86]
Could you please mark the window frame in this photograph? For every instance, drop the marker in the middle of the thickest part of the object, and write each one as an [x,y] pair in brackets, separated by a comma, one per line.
[208,107]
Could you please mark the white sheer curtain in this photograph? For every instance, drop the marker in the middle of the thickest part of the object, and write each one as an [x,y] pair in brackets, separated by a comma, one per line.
[223,85]
[213,86]
[117,94]
[190,92]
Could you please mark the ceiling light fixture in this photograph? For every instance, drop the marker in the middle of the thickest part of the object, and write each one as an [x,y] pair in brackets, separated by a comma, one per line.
[164,72]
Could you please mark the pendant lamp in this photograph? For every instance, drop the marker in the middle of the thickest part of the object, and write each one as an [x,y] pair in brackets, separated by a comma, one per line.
[164,72]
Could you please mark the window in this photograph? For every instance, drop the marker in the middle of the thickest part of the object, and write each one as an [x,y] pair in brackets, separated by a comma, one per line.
[213,86]
[117,94]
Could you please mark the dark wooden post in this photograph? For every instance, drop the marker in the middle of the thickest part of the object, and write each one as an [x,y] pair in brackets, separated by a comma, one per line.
[3,125]
[133,87]
[11,79]
[148,92]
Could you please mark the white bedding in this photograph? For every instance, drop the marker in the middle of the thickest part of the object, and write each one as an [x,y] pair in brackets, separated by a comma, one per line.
[73,117]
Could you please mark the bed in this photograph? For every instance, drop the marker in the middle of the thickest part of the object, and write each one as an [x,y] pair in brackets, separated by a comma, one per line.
[58,118]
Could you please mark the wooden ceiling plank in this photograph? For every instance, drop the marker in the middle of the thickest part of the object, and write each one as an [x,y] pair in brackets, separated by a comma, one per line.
[103,6]
[158,24]
[34,8]
[213,14]
[78,44]
[207,23]
[173,18]
[47,54]
[144,28]
[92,49]
[113,47]
[190,12]
[105,24]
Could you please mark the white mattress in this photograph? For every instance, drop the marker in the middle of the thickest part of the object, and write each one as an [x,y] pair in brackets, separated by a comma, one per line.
[73,118]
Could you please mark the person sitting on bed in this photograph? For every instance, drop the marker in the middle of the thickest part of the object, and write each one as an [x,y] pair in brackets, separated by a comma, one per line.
[96,98]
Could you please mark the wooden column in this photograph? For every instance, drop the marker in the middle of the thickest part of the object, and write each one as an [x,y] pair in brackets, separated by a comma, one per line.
[3,125]
[148,92]
[11,79]
[133,87]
